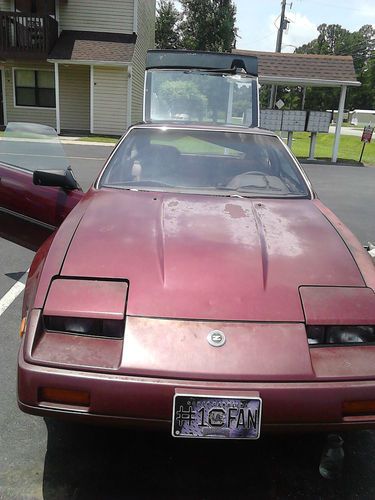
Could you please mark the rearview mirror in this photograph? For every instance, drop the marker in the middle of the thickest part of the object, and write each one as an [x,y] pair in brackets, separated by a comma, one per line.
[59,178]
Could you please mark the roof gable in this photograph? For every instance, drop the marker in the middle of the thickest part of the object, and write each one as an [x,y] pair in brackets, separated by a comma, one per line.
[295,68]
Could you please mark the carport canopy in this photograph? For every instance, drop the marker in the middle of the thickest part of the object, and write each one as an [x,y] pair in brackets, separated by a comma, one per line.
[308,70]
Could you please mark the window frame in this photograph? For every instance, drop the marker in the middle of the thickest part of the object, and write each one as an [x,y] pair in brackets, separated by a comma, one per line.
[311,195]
[21,106]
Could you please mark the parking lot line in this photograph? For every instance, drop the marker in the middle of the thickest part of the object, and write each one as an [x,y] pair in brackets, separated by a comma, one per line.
[12,294]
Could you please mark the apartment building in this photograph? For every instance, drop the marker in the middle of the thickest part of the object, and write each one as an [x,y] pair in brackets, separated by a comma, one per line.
[76,65]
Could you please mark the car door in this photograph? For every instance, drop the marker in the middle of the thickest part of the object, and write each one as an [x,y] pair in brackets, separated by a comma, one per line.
[30,213]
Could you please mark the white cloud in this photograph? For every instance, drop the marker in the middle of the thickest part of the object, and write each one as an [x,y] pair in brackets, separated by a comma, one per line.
[301,30]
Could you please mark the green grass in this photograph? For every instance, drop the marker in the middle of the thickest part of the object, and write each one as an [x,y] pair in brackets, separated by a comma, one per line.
[347,124]
[187,144]
[349,149]
[99,138]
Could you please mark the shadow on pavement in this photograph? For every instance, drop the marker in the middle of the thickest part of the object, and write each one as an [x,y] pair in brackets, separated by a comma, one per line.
[85,462]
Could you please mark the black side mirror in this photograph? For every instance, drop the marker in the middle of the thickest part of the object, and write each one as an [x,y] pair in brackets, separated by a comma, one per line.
[59,178]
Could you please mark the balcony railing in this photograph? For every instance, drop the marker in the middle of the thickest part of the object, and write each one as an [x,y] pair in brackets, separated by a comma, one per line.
[26,35]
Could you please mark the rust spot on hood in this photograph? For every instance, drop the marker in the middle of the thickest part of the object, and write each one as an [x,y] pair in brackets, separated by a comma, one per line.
[235,211]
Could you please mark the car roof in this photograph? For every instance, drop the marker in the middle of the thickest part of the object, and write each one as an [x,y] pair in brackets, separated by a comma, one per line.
[206,128]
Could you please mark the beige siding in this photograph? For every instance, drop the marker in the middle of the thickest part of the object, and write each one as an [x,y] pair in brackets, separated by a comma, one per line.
[110,100]
[46,116]
[114,16]
[145,41]
[74,97]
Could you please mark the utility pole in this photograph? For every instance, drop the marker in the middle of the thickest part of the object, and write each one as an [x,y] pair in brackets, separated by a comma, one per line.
[283,25]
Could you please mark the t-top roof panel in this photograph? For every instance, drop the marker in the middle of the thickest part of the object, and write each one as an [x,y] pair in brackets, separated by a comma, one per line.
[185,59]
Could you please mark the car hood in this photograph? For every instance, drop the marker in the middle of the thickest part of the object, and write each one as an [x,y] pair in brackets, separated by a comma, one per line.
[209,257]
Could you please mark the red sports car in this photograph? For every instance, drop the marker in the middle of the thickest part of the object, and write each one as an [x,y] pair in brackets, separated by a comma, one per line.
[198,285]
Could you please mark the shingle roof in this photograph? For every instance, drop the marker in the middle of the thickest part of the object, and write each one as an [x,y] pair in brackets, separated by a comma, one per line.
[93,46]
[284,66]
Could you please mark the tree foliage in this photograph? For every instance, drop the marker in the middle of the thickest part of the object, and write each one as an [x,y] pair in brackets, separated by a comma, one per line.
[167,34]
[333,39]
[208,25]
[201,25]
[181,97]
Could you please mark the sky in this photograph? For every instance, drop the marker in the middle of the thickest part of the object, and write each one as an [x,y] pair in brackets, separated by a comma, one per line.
[257,20]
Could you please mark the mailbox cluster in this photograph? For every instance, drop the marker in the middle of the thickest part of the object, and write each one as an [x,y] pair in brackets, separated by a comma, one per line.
[295,121]
[319,121]
[271,119]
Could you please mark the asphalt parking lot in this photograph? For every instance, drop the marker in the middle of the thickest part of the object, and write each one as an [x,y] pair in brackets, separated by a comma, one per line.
[44,459]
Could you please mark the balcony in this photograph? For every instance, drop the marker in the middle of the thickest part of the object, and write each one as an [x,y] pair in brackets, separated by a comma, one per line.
[24,35]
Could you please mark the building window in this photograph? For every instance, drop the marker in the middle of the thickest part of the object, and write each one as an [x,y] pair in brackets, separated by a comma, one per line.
[38,7]
[35,88]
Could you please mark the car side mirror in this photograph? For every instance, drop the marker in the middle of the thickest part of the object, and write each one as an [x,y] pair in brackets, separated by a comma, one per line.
[59,178]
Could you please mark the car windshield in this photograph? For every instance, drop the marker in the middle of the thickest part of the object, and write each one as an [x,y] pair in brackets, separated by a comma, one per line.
[200,97]
[206,162]
[32,146]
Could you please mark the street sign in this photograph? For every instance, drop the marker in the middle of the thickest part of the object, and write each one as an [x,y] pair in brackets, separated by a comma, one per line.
[367,134]
[366,138]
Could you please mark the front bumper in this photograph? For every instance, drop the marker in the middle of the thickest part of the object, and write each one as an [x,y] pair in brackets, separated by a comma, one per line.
[147,401]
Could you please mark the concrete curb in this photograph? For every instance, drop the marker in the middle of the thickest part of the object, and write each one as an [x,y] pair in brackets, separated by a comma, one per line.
[87,143]
[329,163]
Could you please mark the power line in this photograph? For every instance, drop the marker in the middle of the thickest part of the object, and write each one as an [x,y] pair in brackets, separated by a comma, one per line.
[336,6]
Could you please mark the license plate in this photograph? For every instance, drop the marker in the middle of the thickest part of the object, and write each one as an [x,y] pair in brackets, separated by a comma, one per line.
[196,416]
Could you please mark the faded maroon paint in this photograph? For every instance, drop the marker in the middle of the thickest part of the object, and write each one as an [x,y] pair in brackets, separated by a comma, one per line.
[179,349]
[34,275]
[130,397]
[50,258]
[209,257]
[338,306]
[252,351]
[21,232]
[49,205]
[79,351]
[86,299]
[198,257]
[362,258]
[349,363]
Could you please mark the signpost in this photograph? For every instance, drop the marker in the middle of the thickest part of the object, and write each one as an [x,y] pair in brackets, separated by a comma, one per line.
[318,121]
[366,138]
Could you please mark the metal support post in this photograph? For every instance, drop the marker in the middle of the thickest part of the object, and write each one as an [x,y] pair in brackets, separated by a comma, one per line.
[340,116]
[290,139]
[57,98]
[230,103]
[314,136]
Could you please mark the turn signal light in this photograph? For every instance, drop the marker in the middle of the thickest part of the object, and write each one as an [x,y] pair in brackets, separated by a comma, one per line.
[23,326]
[65,396]
[352,408]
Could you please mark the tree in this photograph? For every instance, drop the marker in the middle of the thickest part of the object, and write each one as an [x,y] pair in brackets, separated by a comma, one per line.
[166,29]
[183,98]
[208,25]
[333,39]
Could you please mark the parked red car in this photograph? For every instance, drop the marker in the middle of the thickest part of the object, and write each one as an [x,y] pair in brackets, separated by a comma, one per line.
[198,285]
